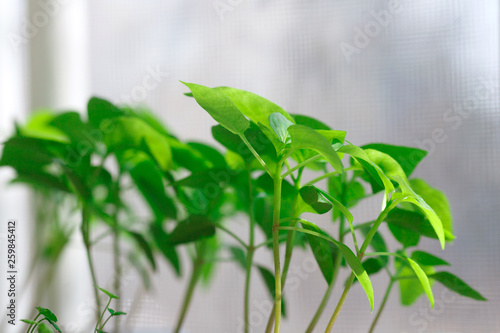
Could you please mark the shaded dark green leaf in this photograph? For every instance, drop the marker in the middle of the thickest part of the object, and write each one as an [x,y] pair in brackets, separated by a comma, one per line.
[427,259]
[149,181]
[269,280]
[407,157]
[100,110]
[144,246]
[161,239]
[191,229]
[455,284]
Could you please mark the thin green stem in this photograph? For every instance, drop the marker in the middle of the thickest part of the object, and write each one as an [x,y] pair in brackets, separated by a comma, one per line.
[300,165]
[269,241]
[382,305]
[116,258]
[250,251]
[105,322]
[310,232]
[336,269]
[31,327]
[86,240]
[361,252]
[328,175]
[195,275]
[102,315]
[340,303]
[320,178]
[232,234]
[257,156]
[358,226]
[276,248]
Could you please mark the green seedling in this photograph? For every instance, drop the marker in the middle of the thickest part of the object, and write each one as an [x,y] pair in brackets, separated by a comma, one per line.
[280,170]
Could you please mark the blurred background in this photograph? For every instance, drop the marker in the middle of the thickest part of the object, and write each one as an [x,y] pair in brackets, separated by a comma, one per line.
[416,73]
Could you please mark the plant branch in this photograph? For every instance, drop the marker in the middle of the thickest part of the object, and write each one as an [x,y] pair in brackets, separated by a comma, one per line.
[382,305]
[276,247]
[336,269]
[257,156]
[250,252]
[86,240]
[300,165]
[366,242]
[232,234]
[195,275]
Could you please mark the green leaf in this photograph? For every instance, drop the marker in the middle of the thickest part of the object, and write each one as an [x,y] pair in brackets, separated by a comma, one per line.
[39,127]
[207,251]
[280,125]
[44,328]
[373,265]
[133,133]
[30,322]
[423,280]
[210,154]
[162,242]
[409,286]
[427,259]
[120,313]
[407,157]
[324,252]
[374,170]
[405,236]
[29,154]
[191,229]
[269,280]
[186,156]
[111,295]
[144,246]
[387,164]
[149,118]
[239,256]
[100,110]
[455,284]
[310,122]
[47,314]
[351,259]
[220,107]
[413,222]
[306,138]
[409,195]
[78,131]
[149,181]
[219,177]
[315,199]
[116,313]
[256,108]
[436,200]
[377,243]
[255,137]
